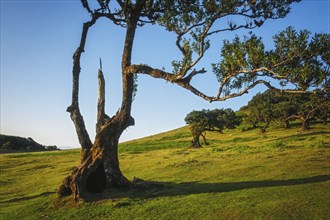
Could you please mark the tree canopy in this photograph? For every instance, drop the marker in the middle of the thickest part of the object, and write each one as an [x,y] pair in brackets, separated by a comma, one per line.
[210,120]
[270,106]
[299,63]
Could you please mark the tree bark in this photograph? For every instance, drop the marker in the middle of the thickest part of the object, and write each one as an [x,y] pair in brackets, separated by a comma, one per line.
[100,101]
[264,128]
[99,167]
[195,142]
[305,124]
[73,109]
[204,139]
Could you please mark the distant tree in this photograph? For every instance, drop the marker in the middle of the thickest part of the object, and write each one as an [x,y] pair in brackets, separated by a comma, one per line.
[197,121]
[261,110]
[243,66]
[210,120]
[306,108]
[324,112]
[283,107]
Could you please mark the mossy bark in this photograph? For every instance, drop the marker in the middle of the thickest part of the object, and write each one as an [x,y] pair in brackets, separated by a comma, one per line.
[99,167]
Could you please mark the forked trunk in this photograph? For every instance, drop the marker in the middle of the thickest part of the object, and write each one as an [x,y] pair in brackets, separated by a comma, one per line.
[264,128]
[195,142]
[99,165]
[204,139]
[97,170]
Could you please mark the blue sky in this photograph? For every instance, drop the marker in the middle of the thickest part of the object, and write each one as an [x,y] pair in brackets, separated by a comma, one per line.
[39,37]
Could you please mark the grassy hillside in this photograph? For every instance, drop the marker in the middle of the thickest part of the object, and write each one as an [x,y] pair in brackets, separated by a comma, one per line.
[283,174]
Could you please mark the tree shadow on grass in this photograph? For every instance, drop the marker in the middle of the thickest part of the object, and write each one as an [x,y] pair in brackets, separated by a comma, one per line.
[149,189]
[303,134]
[24,198]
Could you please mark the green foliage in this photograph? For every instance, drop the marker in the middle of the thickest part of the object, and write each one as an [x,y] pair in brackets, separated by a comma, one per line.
[304,75]
[304,107]
[192,21]
[298,60]
[210,120]
[261,110]
[135,89]
[282,107]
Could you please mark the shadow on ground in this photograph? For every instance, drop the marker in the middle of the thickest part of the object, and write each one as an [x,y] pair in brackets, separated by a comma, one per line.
[23,198]
[149,189]
[303,134]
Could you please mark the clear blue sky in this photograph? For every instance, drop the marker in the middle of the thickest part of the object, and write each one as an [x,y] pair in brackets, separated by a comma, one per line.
[38,38]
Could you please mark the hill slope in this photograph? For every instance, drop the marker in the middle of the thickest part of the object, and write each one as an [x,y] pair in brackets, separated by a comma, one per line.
[284,174]
[10,144]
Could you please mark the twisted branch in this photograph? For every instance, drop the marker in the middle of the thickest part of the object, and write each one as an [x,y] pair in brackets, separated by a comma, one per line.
[73,109]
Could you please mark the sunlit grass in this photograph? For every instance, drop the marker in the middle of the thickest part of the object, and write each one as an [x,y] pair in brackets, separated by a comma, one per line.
[282,174]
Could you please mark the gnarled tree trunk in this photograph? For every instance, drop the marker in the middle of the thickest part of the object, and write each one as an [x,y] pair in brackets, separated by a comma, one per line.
[195,141]
[204,138]
[99,165]
[264,128]
[99,169]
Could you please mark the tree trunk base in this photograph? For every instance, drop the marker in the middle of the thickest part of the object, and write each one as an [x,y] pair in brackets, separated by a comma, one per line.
[305,125]
[96,172]
[195,144]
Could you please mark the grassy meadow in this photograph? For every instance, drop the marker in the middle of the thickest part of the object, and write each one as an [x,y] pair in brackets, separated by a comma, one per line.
[282,174]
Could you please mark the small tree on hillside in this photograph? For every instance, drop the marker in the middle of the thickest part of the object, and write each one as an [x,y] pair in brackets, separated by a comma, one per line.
[210,120]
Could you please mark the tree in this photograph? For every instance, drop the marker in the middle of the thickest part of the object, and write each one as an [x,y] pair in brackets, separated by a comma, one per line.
[193,22]
[198,121]
[261,110]
[324,111]
[304,107]
[210,120]
[284,107]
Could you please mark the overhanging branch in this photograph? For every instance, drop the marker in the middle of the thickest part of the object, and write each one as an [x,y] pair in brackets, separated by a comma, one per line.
[185,82]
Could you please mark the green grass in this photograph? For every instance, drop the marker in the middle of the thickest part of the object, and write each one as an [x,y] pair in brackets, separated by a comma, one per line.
[283,174]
